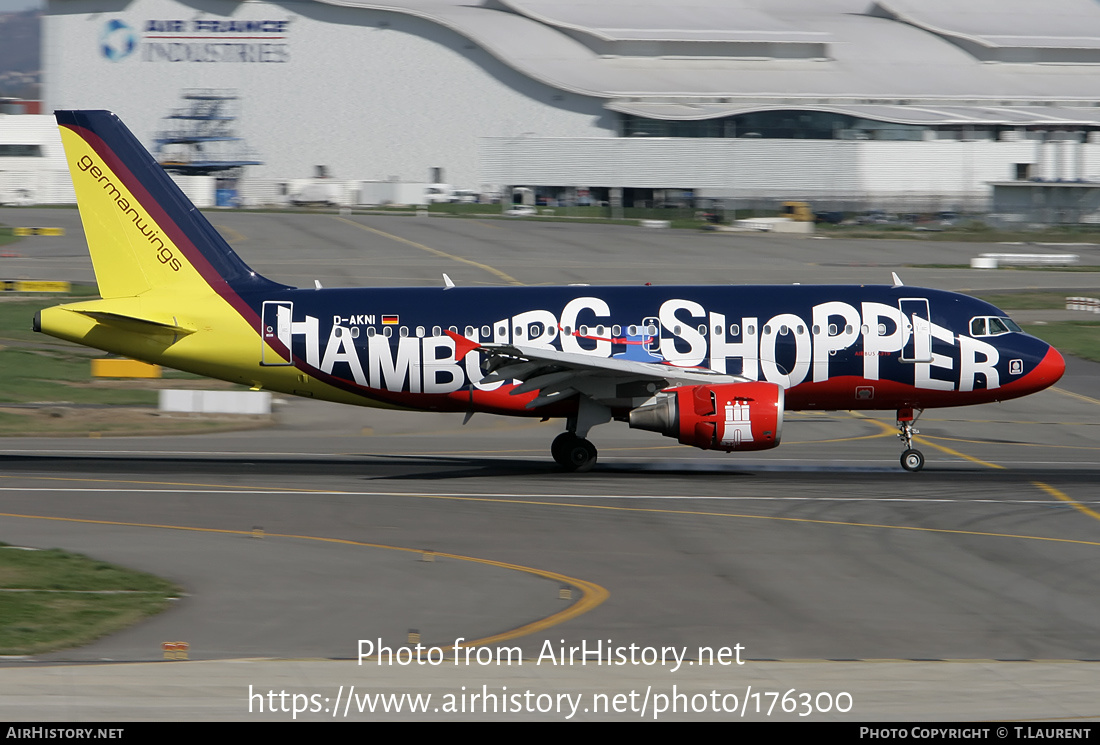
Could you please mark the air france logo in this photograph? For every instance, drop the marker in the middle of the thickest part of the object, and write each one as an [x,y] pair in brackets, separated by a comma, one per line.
[118,40]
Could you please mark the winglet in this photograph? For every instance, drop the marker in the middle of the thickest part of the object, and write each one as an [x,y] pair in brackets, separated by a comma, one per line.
[897,280]
[448,283]
[463,346]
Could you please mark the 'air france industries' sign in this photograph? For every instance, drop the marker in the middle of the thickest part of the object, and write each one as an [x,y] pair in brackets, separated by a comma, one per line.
[196,40]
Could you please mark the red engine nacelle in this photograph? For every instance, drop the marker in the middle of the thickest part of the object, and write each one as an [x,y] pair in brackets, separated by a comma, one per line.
[732,416]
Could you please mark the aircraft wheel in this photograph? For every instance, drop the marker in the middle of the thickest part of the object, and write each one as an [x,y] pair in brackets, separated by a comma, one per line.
[912,460]
[582,456]
[573,453]
[560,446]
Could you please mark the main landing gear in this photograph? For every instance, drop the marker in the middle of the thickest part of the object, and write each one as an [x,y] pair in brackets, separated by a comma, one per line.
[573,453]
[912,459]
[570,449]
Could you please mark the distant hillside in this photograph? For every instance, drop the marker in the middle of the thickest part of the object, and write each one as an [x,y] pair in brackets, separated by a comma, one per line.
[21,54]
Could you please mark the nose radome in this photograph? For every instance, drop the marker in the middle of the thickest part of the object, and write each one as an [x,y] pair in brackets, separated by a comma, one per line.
[1049,370]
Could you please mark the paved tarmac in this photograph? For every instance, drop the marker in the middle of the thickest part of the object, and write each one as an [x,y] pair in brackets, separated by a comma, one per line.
[967,591]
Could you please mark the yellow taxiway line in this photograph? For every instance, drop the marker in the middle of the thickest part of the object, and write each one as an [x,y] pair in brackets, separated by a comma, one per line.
[434,251]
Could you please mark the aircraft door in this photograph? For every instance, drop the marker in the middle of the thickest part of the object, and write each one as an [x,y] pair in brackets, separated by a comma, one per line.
[916,318]
[275,332]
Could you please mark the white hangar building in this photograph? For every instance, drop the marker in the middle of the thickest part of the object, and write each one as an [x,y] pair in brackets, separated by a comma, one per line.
[872,101]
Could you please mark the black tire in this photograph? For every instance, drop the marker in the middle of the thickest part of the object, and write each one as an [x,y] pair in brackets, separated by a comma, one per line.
[912,460]
[581,456]
[560,446]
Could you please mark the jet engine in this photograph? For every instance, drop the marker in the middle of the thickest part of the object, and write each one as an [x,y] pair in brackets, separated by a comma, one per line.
[732,416]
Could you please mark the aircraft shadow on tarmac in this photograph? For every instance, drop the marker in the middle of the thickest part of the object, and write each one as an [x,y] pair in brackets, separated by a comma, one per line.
[386,466]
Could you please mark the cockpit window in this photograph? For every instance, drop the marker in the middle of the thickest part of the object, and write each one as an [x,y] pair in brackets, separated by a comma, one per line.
[992,326]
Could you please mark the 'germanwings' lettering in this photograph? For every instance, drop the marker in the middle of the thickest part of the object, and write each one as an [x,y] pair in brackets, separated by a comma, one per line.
[142,223]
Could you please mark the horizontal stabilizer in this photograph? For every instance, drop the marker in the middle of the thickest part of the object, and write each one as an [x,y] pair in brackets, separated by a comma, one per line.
[121,319]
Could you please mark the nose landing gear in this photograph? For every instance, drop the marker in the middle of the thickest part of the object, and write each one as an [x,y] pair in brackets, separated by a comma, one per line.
[912,459]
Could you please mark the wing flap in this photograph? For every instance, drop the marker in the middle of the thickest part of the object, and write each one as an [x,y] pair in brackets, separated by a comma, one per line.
[550,397]
[550,381]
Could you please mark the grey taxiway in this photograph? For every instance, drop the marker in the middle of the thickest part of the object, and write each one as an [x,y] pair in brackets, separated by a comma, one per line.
[966,591]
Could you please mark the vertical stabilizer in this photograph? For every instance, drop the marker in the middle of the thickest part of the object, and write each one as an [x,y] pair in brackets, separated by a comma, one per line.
[143,232]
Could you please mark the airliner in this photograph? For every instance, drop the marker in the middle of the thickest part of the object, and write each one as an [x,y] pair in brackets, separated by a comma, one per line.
[714,367]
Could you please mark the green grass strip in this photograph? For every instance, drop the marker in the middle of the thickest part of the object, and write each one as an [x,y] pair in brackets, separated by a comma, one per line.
[54,599]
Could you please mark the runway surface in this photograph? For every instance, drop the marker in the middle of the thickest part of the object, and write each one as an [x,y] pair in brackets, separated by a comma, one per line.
[967,591]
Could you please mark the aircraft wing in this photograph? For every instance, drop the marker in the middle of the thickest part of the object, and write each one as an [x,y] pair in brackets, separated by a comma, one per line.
[558,375]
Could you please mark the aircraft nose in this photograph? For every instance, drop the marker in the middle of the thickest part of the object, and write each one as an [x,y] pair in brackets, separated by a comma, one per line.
[1049,370]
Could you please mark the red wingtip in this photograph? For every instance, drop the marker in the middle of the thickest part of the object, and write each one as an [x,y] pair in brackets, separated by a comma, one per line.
[463,346]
